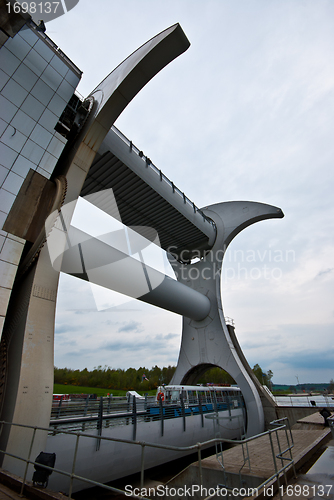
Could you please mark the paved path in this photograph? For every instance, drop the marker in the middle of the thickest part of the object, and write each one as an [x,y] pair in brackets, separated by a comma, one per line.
[260,452]
[7,494]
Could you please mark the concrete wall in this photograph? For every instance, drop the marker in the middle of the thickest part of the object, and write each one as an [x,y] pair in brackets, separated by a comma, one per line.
[113,460]
[295,413]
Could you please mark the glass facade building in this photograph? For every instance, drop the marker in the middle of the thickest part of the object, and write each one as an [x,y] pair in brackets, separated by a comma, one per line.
[36,83]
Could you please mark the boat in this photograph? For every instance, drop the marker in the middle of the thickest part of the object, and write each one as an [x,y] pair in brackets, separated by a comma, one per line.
[61,397]
[178,415]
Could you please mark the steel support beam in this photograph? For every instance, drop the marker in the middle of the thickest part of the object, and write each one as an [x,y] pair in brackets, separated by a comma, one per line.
[101,263]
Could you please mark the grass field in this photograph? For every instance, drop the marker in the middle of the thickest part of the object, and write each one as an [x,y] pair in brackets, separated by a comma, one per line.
[77,389]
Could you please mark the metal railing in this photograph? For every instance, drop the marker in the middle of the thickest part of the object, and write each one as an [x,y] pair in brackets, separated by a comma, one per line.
[330,421]
[279,470]
[307,400]
[229,321]
[277,455]
[148,163]
[106,412]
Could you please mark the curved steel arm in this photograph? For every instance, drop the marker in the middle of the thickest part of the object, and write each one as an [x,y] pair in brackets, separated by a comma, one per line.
[115,92]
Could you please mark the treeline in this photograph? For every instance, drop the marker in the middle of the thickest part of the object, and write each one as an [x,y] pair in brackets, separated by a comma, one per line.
[263,377]
[141,379]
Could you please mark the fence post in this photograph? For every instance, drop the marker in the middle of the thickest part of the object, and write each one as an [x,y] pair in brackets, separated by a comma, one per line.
[134,417]
[183,412]
[142,466]
[85,413]
[28,459]
[275,464]
[108,409]
[161,411]
[201,409]
[73,466]
[215,406]
[229,405]
[59,406]
[200,464]
[128,408]
[99,423]
[280,454]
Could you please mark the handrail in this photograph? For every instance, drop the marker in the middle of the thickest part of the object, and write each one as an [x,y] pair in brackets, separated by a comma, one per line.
[278,425]
[229,321]
[330,421]
[293,401]
[72,414]
[148,162]
[198,446]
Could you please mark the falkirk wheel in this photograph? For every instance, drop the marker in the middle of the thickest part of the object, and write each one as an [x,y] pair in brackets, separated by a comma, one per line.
[40,218]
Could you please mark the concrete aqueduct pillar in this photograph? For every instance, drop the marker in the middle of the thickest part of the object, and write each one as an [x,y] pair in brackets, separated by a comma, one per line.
[210,342]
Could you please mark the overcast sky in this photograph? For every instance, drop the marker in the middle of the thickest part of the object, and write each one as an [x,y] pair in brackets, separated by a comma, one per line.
[246,113]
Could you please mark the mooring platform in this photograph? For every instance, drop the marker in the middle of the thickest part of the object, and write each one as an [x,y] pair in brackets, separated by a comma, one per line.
[258,461]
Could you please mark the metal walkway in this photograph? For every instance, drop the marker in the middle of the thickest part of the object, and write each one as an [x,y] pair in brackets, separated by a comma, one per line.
[260,454]
[145,197]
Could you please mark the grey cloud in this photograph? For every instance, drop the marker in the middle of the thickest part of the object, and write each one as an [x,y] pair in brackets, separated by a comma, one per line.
[309,360]
[325,271]
[148,343]
[72,343]
[131,326]
[66,328]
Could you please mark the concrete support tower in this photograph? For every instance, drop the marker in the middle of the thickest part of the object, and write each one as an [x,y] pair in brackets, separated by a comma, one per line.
[209,343]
